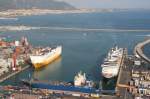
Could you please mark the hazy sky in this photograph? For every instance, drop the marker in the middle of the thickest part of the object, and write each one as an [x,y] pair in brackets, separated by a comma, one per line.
[110,3]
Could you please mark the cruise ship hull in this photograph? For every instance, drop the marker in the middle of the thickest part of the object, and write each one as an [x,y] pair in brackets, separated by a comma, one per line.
[110,72]
[111,67]
[41,61]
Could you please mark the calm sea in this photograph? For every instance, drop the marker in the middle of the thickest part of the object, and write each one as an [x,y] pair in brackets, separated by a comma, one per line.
[86,39]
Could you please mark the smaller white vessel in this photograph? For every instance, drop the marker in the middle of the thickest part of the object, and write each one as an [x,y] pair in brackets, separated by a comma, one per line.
[80,80]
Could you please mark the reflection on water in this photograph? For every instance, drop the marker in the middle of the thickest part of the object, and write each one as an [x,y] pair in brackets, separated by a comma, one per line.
[48,70]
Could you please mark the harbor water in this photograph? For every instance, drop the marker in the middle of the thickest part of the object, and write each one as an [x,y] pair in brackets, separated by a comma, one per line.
[85,38]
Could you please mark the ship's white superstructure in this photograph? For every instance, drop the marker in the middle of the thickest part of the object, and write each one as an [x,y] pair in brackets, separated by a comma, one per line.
[112,63]
[80,79]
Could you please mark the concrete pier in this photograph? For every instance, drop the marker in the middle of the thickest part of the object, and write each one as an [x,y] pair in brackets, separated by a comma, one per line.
[121,77]
[124,77]
[13,73]
[138,50]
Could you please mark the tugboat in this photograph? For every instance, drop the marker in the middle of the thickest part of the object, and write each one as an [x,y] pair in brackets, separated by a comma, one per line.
[80,80]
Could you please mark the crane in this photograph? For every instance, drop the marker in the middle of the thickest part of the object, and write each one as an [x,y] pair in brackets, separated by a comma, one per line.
[14,57]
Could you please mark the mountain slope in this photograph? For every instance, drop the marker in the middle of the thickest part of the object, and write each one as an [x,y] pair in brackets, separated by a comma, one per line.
[28,4]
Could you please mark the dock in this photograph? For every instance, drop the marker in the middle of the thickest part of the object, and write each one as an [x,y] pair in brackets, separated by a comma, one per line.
[124,77]
[120,74]
[36,90]
[125,74]
[79,92]
[13,73]
[138,50]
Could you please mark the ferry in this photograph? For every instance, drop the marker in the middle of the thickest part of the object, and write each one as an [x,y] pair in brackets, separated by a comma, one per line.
[45,56]
[112,62]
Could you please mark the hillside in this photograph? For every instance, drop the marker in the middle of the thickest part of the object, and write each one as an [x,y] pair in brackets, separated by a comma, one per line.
[40,4]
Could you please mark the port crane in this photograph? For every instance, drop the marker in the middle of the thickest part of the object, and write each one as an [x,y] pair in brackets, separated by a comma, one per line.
[17,50]
[14,57]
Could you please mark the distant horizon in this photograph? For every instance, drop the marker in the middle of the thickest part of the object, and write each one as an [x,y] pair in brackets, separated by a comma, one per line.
[112,8]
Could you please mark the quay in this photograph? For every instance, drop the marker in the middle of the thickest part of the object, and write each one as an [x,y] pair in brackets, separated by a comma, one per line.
[77,93]
[138,50]
[70,92]
[126,82]
[123,76]
[14,57]
[126,73]
[13,73]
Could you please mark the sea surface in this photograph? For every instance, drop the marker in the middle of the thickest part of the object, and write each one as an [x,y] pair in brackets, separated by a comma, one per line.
[86,39]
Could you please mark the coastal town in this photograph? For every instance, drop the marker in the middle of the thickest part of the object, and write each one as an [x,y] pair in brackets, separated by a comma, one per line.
[74,49]
[35,11]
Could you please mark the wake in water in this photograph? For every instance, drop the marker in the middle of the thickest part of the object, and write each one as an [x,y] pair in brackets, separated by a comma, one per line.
[96,29]
[3,18]
[23,28]
[148,35]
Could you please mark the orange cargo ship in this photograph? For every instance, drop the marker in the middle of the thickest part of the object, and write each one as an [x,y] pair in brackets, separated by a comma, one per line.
[45,57]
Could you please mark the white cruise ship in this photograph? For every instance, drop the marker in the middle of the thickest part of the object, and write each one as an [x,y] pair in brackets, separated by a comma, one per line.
[112,63]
